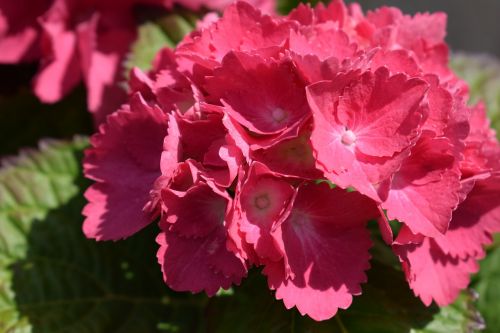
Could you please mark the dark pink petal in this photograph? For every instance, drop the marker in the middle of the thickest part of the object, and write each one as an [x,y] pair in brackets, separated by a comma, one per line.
[115,211]
[125,161]
[195,212]
[193,264]
[325,247]
[19,30]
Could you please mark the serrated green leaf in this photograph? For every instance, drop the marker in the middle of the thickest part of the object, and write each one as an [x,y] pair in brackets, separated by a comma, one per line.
[52,279]
[482,72]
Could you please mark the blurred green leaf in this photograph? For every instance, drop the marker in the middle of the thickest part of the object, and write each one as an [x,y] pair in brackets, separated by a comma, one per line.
[151,38]
[158,30]
[486,285]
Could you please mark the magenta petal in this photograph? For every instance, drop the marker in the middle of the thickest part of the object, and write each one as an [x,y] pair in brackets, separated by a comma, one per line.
[115,211]
[124,160]
[196,212]
[188,263]
[325,246]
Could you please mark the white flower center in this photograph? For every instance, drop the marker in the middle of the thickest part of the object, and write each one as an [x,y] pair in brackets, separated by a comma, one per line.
[348,138]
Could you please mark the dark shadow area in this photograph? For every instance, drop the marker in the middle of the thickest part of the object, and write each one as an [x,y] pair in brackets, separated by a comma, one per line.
[24,120]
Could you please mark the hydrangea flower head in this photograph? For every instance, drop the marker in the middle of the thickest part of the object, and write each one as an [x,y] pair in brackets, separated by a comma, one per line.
[272,141]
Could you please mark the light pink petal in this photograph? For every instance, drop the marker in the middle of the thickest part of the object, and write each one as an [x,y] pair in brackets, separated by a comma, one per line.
[106,56]
[324,41]
[263,200]
[231,33]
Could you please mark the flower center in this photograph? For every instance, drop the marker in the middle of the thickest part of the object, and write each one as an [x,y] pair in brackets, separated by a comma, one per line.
[262,202]
[348,138]
[278,114]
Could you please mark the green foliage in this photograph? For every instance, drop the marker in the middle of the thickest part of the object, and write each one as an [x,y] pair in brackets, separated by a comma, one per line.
[489,293]
[159,30]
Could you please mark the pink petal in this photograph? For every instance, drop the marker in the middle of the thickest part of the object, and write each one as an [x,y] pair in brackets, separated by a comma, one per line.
[251,89]
[425,191]
[124,160]
[263,200]
[188,264]
[325,246]
[432,274]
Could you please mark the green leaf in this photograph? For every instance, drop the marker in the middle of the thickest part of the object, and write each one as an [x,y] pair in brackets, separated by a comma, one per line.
[52,279]
[159,30]
[482,72]
[487,288]
[461,316]
[151,38]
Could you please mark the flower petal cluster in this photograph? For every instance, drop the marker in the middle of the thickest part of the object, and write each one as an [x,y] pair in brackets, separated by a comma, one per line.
[273,141]
[81,40]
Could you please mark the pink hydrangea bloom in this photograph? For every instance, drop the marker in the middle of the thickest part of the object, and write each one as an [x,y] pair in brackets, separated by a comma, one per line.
[234,138]
[81,40]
